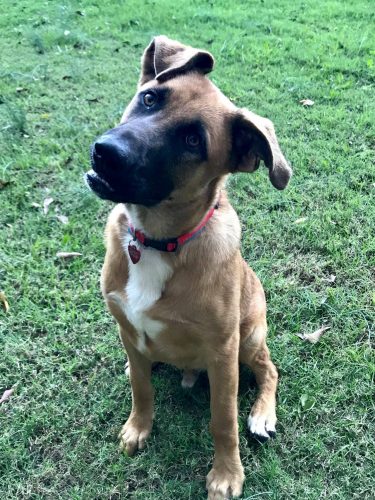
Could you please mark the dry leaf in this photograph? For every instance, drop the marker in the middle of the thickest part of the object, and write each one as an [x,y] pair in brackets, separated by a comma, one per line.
[46,203]
[35,205]
[307,102]
[331,278]
[299,221]
[4,301]
[62,218]
[3,184]
[314,337]
[68,255]
[6,395]
[307,402]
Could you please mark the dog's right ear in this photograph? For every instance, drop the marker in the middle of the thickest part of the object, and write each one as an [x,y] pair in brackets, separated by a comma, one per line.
[165,58]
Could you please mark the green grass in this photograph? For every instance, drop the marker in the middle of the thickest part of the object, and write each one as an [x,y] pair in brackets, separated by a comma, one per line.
[66,72]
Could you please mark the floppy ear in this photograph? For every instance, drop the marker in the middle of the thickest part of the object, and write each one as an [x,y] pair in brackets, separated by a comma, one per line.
[254,139]
[164,58]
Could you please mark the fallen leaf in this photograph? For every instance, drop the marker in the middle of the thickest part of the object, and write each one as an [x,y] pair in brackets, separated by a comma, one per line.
[93,99]
[35,205]
[300,220]
[331,278]
[314,337]
[307,402]
[46,203]
[4,301]
[66,32]
[6,395]
[3,184]
[21,89]
[68,255]
[80,12]
[45,116]
[307,102]
[62,218]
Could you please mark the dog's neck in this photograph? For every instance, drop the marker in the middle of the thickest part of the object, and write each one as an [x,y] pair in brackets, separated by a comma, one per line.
[172,218]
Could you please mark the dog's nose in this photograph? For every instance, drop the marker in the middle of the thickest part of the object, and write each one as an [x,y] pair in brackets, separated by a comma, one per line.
[109,151]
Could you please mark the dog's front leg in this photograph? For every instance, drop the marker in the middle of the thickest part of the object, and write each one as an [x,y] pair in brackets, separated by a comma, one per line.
[226,476]
[139,424]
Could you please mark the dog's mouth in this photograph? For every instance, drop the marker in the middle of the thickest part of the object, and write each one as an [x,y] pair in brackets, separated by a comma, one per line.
[99,185]
[104,190]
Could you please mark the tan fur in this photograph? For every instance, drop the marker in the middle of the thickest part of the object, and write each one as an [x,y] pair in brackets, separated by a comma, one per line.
[213,307]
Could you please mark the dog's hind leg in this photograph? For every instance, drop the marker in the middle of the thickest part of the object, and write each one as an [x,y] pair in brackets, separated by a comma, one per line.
[255,354]
[139,424]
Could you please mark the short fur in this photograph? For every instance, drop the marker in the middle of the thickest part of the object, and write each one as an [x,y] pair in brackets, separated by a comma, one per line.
[201,308]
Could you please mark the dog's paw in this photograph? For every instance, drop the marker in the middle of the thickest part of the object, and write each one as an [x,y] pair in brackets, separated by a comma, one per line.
[262,427]
[189,377]
[223,482]
[133,435]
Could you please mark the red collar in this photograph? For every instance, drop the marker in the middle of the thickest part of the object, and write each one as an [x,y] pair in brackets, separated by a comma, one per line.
[168,245]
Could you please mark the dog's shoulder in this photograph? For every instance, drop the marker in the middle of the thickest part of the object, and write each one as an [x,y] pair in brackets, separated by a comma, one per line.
[117,225]
[220,239]
[115,269]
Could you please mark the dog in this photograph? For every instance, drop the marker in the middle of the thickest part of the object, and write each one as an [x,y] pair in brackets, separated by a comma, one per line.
[173,275]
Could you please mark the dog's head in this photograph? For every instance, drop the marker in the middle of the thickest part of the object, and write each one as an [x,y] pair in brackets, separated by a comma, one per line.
[180,134]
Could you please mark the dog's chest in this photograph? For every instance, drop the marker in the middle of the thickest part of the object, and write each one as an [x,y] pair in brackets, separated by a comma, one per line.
[144,288]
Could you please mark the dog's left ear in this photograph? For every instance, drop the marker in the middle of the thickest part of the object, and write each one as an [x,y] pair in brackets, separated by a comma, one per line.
[254,139]
[164,58]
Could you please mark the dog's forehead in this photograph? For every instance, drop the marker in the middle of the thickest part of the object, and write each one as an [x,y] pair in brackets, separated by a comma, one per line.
[188,87]
[194,95]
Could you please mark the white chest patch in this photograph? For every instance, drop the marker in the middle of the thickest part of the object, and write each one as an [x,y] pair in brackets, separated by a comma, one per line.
[145,285]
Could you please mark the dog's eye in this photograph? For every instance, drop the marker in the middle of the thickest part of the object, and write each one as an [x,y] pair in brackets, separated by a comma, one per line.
[193,140]
[149,99]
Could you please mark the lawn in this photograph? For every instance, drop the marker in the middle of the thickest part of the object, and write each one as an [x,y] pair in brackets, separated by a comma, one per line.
[66,71]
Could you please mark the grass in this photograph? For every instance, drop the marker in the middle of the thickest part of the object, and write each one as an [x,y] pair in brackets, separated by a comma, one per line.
[67,70]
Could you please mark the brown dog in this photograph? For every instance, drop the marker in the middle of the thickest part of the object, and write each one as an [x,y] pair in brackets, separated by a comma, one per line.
[173,275]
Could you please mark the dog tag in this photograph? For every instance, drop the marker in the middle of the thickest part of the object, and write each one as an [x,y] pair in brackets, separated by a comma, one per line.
[134,253]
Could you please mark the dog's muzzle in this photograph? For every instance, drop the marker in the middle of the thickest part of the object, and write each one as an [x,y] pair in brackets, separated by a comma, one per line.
[123,172]
[108,157]
[108,153]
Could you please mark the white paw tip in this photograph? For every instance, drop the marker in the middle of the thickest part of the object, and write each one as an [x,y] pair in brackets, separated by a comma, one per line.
[260,428]
[271,428]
